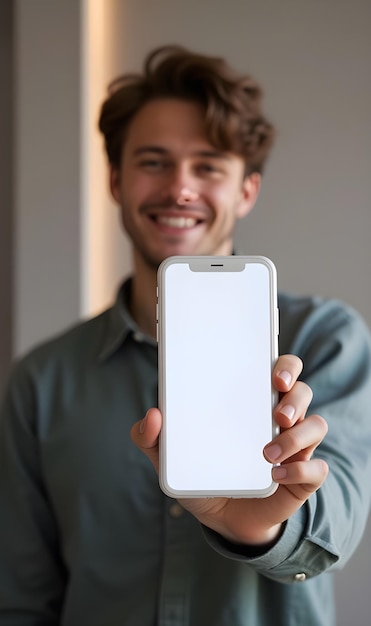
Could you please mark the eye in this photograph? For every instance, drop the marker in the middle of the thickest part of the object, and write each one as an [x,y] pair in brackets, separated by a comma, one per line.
[152,164]
[209,169]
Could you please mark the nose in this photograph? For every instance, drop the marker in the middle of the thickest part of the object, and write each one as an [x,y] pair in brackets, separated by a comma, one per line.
[181,186]
[187,195]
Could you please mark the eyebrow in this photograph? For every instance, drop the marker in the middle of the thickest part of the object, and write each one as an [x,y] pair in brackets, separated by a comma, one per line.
[210,154]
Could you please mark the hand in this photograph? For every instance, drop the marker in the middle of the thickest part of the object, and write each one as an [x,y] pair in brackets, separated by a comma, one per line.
[258,521]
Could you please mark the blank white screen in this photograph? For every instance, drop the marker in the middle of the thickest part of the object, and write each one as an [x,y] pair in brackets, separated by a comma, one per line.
[217,373]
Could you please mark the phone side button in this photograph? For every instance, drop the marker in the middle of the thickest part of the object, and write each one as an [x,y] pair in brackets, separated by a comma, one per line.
[277,321]
[157,331]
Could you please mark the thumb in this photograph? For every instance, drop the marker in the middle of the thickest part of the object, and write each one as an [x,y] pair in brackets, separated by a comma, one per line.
[145,434]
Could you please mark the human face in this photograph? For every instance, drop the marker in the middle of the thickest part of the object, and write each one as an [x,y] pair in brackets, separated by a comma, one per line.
[178,194]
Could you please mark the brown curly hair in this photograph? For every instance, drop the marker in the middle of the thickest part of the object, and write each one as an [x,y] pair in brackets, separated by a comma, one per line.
[233,118]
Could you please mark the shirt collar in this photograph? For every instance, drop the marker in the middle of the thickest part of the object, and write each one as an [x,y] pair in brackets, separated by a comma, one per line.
[120,324]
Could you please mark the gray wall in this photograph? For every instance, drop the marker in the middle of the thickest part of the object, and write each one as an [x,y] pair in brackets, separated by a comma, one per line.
[47,147]
[313,217]
[6,218]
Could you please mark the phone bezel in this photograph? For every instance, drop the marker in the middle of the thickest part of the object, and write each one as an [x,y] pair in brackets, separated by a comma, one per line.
[234,263]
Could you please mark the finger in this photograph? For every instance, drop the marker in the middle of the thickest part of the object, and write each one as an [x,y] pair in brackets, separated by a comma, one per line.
[293,405]
[297,482]
[302,477]
[145,434]
[305,435]
[286,371]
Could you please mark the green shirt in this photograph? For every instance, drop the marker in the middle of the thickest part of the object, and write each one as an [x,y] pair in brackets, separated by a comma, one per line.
[88,538]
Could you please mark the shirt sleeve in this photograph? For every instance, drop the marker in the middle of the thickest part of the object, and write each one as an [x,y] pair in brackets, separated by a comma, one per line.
[32,576]
[334,344]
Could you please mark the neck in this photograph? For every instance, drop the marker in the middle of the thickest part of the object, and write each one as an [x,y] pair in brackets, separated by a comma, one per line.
[143,297]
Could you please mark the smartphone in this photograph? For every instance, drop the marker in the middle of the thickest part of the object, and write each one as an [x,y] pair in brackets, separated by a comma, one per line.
[217,342]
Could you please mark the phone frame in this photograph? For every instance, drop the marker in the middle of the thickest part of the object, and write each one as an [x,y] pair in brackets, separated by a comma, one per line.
[214,264]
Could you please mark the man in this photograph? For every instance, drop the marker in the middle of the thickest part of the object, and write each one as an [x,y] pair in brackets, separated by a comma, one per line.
[87,537]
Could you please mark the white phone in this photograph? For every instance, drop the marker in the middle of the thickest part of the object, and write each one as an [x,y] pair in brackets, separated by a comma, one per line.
[218,342]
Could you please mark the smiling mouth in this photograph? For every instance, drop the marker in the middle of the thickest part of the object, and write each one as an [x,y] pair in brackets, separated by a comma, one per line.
[180,221]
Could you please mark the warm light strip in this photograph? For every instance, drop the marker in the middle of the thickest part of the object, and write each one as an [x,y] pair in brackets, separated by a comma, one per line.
[95,71]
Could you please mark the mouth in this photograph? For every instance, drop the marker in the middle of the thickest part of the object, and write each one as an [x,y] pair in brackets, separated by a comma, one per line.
[177,222]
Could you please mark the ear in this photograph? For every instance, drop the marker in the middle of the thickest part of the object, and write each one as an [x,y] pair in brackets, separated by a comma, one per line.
[114,183]
[249,194]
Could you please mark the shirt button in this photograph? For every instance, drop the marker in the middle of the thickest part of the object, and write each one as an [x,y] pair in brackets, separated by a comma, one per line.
[299,578]
[138,336]
[176,510]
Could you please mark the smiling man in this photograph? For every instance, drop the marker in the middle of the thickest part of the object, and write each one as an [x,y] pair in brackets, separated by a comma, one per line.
[163,159]
[86,535]
[177,192]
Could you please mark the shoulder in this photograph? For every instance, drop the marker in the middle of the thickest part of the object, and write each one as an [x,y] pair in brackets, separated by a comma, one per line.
[73,348]
[308,320]
[334,343]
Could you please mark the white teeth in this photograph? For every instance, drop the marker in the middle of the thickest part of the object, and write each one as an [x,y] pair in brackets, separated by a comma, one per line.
[177,222]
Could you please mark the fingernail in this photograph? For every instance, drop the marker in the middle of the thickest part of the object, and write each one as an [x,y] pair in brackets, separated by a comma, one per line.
[279,472]
[142,424]
[273,452]
[288,410]
[285,376]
